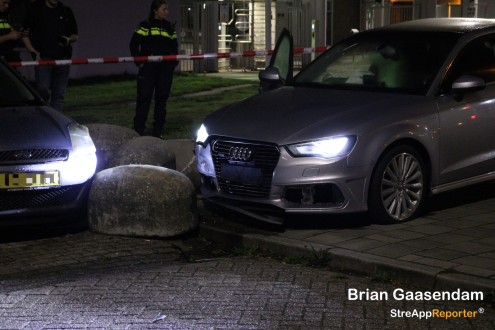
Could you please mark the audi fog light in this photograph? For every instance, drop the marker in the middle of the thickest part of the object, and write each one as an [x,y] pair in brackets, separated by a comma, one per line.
[325,148]
[83,157]
[202,134]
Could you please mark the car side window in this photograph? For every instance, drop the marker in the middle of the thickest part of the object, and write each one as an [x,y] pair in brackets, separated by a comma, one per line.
[476,59]
[281,61]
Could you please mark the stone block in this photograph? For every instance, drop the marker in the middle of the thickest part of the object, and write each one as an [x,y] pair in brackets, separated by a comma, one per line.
[142,200]
[185,160]
[183,150]
[107,139]
[145,150]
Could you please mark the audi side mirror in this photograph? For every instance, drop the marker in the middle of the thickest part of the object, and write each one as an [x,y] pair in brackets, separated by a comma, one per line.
[466,83]
[269,79]
[269,74]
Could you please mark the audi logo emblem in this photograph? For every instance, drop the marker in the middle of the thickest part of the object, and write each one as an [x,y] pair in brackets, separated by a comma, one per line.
[239,153]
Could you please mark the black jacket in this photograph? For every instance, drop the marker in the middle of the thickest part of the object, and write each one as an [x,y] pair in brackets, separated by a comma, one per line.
[154,37]
[34,22]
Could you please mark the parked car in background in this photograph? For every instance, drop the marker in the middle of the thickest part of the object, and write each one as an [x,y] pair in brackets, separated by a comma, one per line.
[375,124]
[47,160]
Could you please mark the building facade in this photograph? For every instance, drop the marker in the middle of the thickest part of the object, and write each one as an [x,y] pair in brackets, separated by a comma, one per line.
[247,25]
[222,26]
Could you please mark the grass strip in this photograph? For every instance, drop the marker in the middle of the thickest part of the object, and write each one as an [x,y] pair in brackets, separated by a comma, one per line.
[97,91]
[184,116]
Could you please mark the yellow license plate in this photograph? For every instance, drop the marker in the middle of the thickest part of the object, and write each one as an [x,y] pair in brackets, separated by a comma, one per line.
[29,179]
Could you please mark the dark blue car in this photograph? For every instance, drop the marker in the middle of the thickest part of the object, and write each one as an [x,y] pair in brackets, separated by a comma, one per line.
[47,160]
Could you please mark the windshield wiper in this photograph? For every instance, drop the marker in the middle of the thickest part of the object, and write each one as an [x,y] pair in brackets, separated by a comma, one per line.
[328,86]
[346,87]
[7,104]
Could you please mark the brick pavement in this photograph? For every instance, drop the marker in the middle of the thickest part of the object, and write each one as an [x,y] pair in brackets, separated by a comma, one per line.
[89,281]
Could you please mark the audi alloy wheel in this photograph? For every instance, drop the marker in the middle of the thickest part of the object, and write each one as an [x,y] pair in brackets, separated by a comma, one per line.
[397,188]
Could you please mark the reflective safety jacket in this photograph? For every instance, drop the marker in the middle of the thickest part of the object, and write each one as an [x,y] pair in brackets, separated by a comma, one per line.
[154,37]
[6,28]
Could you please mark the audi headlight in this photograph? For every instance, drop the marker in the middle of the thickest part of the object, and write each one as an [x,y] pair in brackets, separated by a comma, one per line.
[325,148]
[82,144]
[202,134]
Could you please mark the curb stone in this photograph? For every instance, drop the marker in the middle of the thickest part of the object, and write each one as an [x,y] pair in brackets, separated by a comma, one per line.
[421,276]
[454,281]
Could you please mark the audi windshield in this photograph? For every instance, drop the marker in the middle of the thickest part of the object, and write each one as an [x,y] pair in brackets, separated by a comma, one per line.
[384,62]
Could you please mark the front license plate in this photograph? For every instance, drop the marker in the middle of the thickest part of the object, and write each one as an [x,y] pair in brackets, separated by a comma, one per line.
[241,174]
[29,180]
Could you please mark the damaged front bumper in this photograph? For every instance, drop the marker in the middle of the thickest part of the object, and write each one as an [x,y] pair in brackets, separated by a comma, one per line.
[297,185]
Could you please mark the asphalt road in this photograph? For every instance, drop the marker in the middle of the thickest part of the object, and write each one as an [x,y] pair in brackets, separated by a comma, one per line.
[65,277]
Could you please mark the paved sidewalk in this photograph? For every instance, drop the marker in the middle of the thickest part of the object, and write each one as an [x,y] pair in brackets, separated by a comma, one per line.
[449,247]
[237,74]
[214,91]
[83,280]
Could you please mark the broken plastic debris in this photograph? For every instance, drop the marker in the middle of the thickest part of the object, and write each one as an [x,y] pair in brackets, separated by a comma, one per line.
[160,318]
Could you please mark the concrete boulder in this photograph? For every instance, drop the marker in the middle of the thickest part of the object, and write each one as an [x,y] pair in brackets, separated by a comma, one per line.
[185,160]
[142,200]
[192,173]
[107,139]
[183,150]
[144,150]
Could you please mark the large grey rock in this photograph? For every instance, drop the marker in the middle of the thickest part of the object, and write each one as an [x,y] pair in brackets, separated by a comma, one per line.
[183,150]
[107,139]
[144,150]
[192,173]
[142,200]
[185,160]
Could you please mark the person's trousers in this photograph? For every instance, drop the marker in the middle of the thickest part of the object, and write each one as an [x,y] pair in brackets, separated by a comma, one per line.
[55,79]
[155,77]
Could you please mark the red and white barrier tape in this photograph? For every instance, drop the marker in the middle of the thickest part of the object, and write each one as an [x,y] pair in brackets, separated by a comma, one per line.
[165,58]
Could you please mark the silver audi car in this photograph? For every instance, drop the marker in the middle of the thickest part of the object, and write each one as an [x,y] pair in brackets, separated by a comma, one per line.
[47,160]
[376,124]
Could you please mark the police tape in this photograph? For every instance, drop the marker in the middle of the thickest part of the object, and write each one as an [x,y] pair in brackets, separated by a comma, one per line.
[165,58]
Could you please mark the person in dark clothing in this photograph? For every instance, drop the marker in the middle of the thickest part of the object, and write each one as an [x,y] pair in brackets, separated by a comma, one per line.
[52,29]
[8,36]
[155,36]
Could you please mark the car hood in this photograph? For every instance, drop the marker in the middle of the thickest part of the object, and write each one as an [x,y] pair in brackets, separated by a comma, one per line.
[24,128]
[293,114]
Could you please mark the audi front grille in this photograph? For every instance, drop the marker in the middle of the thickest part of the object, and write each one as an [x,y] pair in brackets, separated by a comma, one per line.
[259,159]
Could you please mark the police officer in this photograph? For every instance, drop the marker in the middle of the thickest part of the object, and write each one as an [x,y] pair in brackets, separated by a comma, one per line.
[8,36]
[155,36]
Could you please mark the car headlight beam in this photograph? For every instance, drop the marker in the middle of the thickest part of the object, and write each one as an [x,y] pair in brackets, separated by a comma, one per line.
[325,148]
[202,134]
[82,161]
[82,144]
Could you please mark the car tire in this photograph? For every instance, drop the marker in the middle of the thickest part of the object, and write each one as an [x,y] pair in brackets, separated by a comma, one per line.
[398,187]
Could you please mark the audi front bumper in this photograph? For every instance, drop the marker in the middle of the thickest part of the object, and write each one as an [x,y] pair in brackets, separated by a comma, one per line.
[296,185]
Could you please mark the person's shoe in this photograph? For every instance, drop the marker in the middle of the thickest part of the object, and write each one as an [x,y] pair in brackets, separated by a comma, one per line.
[158,136]
[157,133]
